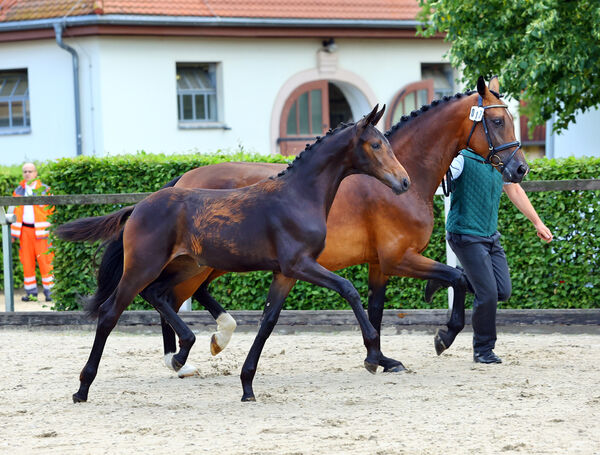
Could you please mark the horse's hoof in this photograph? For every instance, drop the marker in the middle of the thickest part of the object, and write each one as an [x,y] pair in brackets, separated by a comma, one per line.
[79,398]
[371,367]
[248,398]
[438,342]
[188,370]
[395,368]
[214,346]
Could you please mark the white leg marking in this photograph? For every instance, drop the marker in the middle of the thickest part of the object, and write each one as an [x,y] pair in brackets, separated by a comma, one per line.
[168,360]
[188,370]
[225,327]
[185,371]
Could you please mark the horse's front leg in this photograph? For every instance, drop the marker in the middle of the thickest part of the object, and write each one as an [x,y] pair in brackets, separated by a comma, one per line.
[377,285]
[417,266]
[279,290]
[307,269]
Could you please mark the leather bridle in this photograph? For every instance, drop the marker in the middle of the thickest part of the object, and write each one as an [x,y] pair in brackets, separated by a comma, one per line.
[478,115]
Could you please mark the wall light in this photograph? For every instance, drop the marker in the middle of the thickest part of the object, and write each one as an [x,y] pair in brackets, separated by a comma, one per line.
[329,45]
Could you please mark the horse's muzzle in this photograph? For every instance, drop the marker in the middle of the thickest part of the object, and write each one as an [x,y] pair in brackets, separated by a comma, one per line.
[398,186]
[516,174]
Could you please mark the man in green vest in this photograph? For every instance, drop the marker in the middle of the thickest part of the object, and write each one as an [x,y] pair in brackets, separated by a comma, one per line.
[472,232]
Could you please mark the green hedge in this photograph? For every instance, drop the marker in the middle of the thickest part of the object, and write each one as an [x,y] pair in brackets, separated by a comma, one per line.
[562,274]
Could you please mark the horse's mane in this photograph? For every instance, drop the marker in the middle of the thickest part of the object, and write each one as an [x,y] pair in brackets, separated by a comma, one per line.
[309,150]
[426,107]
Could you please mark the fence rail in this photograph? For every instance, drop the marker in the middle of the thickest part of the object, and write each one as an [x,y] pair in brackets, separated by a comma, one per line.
[133,198]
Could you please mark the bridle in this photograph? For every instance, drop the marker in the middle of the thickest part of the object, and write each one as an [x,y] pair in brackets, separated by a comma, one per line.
[478,115]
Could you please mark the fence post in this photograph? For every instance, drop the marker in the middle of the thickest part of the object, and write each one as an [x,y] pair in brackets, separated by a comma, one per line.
[451,259]
[5,220]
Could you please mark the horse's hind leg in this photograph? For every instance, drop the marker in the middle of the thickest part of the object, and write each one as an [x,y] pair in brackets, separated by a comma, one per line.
[225,323]
[279,290]
[161,297]
[109,313]
[377,284]
[416,266]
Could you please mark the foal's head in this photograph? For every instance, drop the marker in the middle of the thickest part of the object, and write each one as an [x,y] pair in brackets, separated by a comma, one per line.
[495,139]
[372,154]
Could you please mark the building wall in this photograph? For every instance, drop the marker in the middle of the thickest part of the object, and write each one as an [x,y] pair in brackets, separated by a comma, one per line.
[580,139]
[128,89]
[51,102]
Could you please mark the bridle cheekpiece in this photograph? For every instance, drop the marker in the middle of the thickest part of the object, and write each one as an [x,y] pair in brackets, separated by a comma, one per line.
[477,114]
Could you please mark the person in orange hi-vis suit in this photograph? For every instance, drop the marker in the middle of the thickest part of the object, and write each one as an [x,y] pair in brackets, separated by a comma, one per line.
[31,228]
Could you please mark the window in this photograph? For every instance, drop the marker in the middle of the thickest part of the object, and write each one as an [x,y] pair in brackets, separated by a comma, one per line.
[443,78]
[197,93]
[14,102]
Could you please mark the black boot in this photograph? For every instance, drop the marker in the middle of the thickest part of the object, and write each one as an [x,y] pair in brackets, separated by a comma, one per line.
[29,297]
[48,295]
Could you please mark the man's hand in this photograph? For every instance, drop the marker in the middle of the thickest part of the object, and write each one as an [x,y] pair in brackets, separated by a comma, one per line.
[543,232]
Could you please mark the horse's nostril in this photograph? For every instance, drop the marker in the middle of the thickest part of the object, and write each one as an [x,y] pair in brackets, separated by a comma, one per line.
[522,169]
[405,183]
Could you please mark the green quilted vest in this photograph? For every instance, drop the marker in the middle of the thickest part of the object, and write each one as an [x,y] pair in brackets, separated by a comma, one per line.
[475,199]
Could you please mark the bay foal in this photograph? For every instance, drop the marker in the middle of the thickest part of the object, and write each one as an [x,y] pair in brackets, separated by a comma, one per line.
[179,235]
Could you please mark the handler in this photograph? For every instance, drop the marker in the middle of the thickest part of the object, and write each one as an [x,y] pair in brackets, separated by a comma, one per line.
[31,228]
[472,232]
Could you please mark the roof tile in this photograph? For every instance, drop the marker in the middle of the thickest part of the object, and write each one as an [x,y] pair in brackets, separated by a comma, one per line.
[16,10]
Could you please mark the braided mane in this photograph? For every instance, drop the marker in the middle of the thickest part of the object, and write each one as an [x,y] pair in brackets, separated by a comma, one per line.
[426,107]
[310,148]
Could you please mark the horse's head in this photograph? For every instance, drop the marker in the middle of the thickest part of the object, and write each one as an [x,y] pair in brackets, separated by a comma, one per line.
[373,155]
[491,133]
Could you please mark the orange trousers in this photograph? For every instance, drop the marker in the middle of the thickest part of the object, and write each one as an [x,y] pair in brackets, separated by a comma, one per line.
[32,249]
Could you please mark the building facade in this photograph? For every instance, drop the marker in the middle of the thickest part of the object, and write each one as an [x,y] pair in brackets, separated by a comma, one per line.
[114,80]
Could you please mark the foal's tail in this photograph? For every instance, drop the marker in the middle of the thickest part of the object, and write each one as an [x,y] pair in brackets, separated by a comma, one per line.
[95,227]
[111,267]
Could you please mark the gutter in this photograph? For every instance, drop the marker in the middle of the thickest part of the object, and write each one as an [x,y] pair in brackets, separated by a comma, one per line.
[58,30]
[205,21]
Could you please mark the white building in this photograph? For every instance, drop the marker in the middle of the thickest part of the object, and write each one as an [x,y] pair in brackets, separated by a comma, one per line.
[171,78]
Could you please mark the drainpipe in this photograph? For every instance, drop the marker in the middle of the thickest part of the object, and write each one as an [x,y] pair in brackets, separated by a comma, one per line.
[550,137]
[58,30]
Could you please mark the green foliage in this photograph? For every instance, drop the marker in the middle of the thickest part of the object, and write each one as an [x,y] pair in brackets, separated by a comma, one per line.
[562,274]
[545,52]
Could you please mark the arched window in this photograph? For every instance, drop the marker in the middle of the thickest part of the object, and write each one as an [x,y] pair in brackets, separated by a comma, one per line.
[305,116]
[409,98]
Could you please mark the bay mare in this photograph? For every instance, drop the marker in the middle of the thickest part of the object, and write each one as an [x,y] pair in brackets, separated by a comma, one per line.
[366,224]
[180,235]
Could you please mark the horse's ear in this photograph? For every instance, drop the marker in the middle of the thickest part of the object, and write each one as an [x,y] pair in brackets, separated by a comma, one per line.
[378,116]
[481,86]
[368,119]
[494,84]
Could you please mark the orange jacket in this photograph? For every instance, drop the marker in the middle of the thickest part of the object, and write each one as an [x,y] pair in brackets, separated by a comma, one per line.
[40,212]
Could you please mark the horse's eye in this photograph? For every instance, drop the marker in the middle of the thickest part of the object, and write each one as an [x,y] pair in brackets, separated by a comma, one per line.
[497,121]
[375,145]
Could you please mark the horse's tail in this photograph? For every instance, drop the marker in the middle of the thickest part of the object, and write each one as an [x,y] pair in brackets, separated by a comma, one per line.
[95,227]
[171,183]
[108,275]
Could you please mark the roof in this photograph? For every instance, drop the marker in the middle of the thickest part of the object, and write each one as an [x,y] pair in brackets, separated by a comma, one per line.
[388,10]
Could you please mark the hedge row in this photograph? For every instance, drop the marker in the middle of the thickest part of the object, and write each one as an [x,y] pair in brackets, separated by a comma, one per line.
[562,274]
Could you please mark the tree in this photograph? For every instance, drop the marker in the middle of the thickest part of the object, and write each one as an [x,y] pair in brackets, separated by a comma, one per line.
[545,52]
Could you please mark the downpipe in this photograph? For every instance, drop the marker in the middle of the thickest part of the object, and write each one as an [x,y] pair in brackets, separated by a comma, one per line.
[58,31]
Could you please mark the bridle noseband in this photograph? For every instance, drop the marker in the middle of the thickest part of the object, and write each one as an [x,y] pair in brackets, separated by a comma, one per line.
[478,115]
